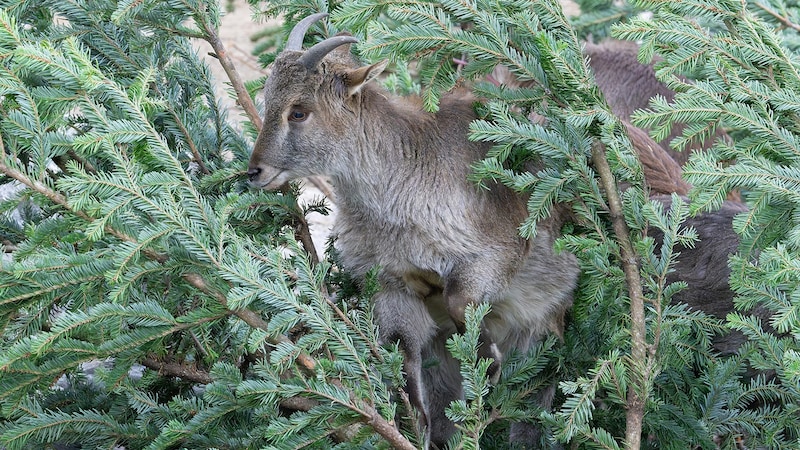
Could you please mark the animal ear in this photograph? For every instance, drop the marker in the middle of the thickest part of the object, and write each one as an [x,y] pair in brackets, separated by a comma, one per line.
[357,78]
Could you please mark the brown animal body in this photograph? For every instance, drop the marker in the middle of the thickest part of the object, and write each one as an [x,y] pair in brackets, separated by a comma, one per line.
[406,206]
[628,85]
[704,268]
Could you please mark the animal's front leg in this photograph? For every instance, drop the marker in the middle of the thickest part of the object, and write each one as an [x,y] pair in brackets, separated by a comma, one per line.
[459,294]
[403,317]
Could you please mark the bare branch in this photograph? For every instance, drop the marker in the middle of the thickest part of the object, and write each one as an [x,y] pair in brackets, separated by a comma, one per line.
[242,96]
[303,233]
[188,372]
[386,429]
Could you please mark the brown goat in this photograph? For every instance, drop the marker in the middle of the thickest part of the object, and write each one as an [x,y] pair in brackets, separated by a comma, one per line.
[704,268]
[406,206]
[628,85]
[662,174]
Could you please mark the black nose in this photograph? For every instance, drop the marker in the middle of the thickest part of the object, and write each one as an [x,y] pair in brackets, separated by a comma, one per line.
[253,173]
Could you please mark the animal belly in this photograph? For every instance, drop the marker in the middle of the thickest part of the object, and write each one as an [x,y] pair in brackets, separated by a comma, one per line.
[535,302]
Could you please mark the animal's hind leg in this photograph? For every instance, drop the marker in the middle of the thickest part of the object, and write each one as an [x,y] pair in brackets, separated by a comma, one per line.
[458,295]
[403,317]
[444,385]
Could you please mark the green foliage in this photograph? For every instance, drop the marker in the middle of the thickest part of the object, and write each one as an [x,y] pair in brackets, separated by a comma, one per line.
[134,253]
[746,79]
[136,242]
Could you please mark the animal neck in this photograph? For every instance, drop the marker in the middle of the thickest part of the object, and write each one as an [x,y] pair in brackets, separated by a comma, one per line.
[393,152]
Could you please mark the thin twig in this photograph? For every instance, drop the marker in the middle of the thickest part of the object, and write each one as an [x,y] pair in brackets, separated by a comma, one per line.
[87,166]
[198,345]
[343,317]
[630,266]
[242,96]
[190,142]
[783,20]
[303,233]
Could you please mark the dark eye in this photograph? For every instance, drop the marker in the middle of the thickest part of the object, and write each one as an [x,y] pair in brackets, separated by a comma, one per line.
[297,115]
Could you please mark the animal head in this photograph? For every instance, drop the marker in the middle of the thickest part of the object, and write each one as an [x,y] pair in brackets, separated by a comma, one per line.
[312,109]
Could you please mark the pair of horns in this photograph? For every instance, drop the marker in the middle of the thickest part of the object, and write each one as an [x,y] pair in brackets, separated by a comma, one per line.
[311,58]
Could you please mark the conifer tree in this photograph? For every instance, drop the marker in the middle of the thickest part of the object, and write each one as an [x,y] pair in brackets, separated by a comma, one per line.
[136,241]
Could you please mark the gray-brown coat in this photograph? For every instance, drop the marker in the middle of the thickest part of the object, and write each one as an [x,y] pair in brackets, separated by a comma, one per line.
[406,206]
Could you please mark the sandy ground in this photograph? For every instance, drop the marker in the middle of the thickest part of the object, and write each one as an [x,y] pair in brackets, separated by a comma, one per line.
[238,28]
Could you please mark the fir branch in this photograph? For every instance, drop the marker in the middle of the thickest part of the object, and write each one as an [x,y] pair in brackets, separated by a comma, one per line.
[343,317]
[637,394]
[782,19]
[248,316]
[61,200]
[191,372]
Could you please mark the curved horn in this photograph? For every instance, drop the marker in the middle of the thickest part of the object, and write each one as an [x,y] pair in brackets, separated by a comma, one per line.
[295,41]
[311,58]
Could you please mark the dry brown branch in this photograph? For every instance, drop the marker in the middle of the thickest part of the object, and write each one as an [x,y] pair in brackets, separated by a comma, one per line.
[188,372]
[303,232]
[242,96]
